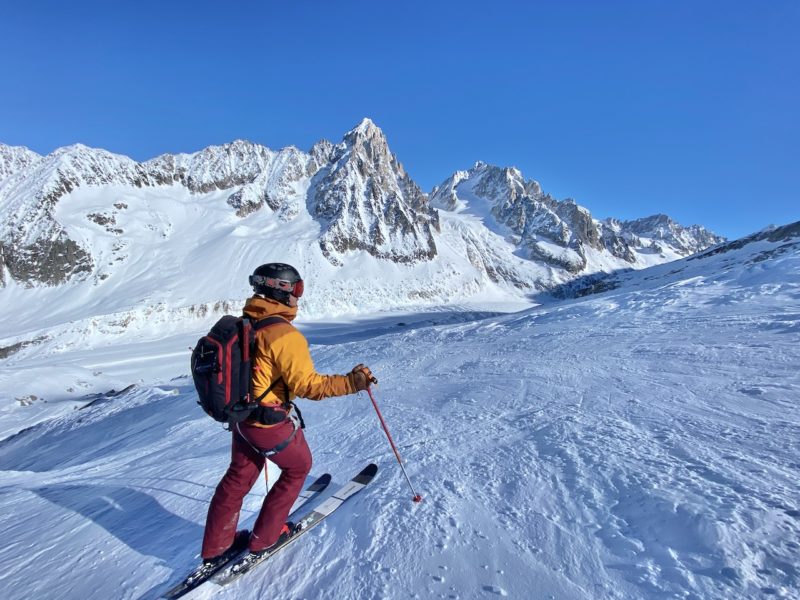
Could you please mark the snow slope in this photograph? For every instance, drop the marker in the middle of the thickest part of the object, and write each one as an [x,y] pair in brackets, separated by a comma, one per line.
[640,443]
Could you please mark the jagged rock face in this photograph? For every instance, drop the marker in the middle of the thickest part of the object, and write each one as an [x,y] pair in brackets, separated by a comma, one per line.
[361,195]
[275,185]
[560,233]
[321,156]
[214,168]
[612,239]
[256,175]
[584,231]
[687,240]
[49,262]
[356,190]
[365,201]
[552,232]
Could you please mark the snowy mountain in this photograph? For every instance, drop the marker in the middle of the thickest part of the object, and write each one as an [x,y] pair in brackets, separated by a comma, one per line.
[563,234]
[357,192]
[14,159]
[110,245]
[639,443]
[660,230]
[352,197]
[786,236]
[368,202]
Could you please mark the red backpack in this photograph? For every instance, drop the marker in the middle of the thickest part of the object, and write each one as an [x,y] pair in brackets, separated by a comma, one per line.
[221,368]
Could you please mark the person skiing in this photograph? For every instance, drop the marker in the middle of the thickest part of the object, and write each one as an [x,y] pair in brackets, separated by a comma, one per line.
[282,370]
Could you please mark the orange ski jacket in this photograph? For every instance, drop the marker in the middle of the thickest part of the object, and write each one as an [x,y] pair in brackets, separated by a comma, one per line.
[281,352]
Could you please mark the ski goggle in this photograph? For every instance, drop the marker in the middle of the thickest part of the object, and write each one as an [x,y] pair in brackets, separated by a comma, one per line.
[294,288]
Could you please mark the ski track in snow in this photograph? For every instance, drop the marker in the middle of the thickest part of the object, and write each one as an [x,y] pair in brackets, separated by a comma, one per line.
[643,443]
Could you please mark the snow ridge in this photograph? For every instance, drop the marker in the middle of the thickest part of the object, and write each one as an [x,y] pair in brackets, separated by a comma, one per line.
[562,234]
[93,235]
[357,192]
[15,159]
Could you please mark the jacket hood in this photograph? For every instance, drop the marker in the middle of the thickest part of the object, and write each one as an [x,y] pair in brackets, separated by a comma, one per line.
[259,308]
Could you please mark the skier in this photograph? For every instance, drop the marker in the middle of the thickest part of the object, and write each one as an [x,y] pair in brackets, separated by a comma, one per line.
[282,367]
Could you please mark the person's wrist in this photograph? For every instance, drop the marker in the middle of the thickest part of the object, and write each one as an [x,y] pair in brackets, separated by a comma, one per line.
[351,382]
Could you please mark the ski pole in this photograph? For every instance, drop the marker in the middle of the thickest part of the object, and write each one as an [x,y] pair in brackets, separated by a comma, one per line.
[417,497]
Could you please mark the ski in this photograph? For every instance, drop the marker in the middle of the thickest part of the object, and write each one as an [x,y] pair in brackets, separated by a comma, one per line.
[203,574]
[311,492]
[305,524]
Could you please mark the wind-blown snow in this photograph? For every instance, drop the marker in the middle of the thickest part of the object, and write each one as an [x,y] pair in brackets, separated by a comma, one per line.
[641,443]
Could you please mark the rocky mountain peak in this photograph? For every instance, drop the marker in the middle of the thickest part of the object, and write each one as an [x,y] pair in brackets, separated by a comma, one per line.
[368,202]
[15,159]
[212,168]
[366,129]
[367,144]
[362,198]
[444,196]
[560,233]
[662,230]
[499,183]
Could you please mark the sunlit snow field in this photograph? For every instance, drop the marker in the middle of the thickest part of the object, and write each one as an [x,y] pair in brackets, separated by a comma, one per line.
[641,443]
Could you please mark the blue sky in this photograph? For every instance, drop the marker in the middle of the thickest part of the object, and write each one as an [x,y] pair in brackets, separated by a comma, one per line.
[632,108]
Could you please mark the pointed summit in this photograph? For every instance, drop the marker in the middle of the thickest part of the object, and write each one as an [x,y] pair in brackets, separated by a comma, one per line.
[366,201]
[365,132]
[366,126]
[368,149]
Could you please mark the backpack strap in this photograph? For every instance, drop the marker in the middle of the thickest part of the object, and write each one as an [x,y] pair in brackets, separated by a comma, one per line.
[257,326]
[274,320]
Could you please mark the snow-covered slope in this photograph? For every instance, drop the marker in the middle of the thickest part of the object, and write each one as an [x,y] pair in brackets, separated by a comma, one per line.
[639,443]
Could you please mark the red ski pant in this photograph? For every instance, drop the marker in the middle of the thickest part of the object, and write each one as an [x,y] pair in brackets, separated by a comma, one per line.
[244,470]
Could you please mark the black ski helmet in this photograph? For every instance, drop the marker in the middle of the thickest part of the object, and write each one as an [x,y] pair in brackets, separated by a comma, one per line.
[277,281]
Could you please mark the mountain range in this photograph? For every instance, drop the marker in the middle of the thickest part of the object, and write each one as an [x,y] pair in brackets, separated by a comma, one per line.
[356,193]
[94,245]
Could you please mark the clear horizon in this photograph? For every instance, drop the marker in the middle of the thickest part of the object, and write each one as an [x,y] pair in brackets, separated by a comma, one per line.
[631,109]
